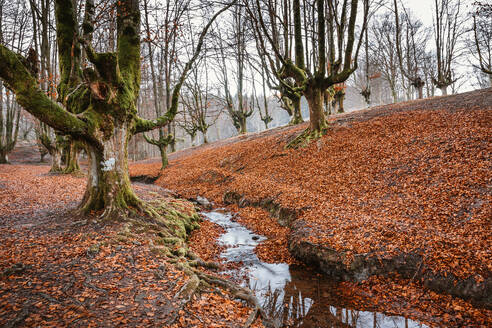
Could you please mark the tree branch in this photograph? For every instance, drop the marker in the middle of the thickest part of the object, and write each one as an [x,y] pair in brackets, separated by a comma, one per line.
[143,125]
[33,99]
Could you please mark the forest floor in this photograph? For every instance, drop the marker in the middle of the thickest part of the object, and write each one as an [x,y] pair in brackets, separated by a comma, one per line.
[412,177]
[59,271]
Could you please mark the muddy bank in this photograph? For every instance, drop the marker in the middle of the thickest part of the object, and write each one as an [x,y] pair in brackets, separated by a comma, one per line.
[363,266]
[343,266]
[292,296]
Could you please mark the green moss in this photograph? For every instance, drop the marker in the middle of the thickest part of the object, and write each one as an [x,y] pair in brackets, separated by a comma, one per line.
[306,137]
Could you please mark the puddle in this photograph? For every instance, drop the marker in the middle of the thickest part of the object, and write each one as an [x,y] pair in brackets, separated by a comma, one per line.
[293,296]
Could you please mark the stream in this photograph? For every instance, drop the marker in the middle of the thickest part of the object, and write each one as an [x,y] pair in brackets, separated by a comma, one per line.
[292,296]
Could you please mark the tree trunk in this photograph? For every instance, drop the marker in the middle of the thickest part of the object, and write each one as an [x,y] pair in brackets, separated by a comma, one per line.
[420,91]
[340,100]
[296,114]
[4,159]
[72,159]
[327,102]
[205,140]
[242,124]
[335,106]
[108,184]
[56,160]
[394,94]
[164,160]
[444,91]
[316,112]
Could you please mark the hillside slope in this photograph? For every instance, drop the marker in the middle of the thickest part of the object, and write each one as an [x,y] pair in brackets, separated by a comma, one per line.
[400,188]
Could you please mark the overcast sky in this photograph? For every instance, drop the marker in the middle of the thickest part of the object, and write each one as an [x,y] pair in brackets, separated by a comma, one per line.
[424,8]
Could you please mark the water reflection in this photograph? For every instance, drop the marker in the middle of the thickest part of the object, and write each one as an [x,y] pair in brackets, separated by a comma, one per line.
[293,296]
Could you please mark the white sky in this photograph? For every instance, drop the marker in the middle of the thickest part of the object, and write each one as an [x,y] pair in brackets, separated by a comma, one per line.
[423,9]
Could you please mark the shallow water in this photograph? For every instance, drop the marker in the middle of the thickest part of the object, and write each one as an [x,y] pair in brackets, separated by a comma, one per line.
[293,296]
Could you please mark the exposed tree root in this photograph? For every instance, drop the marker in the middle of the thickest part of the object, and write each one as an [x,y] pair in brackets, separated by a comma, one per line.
[306,137]
[239,292]
[295,120]
[200,280]
[167,224]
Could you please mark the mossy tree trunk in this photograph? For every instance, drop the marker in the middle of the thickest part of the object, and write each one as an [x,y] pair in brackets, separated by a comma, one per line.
[291,103]
[72,158]
[164,159]
[56,160]
[242,124]
[162,143]
[4,159]
[296,113]
[9,125]
[315,99]
[328,100]
[53,145]
[339,98]
[97,106]
[108,183]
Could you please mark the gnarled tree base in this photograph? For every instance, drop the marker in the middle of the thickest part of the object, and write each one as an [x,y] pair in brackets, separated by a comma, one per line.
[4,159]
[296,120]
[121,205]
[307,136]
[167,229]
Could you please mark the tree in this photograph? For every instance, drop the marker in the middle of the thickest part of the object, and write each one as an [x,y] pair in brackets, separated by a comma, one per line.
[198,103]
[280,20]
[255,99]
[53,144]
[162,47]
[365,88]
[233,45]
[9,124]
[104,96]
[325,51]
[411,57]
[384,50]
[448,27]
[482,36]
[10,111]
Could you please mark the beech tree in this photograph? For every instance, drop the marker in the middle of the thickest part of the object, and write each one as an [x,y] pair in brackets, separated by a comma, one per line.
[325,51]
[96,104]
[17,19]
[280,21]
[412,54]
[364,84]
[234,45]
[198,103]
[9,124]
[162,52]
[448,27]
[53,144]
[383,49]
[482,37]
